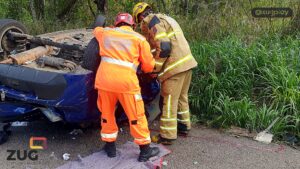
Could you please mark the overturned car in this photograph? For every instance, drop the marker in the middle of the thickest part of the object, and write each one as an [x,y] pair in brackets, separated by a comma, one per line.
[51,76]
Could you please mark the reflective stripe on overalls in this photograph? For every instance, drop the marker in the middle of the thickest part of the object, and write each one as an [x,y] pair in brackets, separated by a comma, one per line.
[108,136]
[119,62]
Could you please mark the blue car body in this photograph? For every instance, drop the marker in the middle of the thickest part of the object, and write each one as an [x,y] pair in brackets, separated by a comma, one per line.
[71,96]
[75,103]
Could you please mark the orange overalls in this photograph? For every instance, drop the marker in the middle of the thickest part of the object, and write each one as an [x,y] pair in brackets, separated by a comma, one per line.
[121,51]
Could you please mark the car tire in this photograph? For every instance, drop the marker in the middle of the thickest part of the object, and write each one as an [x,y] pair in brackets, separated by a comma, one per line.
[6,25]
[91,58]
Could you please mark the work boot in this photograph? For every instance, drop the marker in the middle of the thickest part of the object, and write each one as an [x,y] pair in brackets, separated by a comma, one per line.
[147,152]
[160,140]
[110,149]
[182,130]
[183,133]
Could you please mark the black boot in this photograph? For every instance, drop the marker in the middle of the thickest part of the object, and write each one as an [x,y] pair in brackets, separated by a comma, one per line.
[182,130]
[147,152]
[183,133]
[110,149]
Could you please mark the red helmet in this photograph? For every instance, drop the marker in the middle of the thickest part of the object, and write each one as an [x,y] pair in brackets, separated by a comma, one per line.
[124,18]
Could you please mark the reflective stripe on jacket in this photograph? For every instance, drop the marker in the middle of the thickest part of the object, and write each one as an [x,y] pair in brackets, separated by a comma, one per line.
[121,51]
[159,29]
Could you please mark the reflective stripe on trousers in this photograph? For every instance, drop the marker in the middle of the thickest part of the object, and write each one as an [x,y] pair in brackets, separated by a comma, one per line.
[169,106]
[142,141]
[168,128]
[134,110]
[177,105]
[183,116]
[119,62]
[183,112]
[108,136]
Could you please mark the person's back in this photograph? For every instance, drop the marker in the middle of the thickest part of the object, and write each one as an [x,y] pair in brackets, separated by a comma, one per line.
[122,50]
[121,53]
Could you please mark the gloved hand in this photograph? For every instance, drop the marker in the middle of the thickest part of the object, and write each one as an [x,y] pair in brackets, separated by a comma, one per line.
[153,75]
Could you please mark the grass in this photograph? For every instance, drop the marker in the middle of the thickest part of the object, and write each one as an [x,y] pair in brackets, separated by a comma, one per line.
[248,85]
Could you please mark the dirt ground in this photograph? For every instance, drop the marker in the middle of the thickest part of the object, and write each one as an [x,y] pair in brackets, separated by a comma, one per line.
[204,148]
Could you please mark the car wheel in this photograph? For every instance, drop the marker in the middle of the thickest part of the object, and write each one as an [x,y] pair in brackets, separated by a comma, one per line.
[91,58]
[3,137]
[7,44]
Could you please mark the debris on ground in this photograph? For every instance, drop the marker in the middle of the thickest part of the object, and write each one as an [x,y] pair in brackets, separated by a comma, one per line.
[79,158]
[165,163]
[53,156]
[127,155]
[264,136]
[76,132]
[66,156]
[240,132]
[195,162]
[292,140]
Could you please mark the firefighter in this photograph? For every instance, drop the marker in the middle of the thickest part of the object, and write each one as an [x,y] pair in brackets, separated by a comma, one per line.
[173,64]
[122,50]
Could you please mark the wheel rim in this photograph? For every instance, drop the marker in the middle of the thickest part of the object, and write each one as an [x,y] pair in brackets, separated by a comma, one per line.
[8,45]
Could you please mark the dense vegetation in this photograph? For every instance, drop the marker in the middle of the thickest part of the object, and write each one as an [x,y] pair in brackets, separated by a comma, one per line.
[248,71]
[248,85]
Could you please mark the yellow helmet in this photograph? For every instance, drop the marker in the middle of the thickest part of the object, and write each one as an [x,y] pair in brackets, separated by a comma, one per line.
[139,8]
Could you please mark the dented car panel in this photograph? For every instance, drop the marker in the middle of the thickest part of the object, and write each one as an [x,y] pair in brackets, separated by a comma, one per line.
[76,103]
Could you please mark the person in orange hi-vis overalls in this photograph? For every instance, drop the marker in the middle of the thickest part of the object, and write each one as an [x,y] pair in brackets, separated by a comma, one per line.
[122,50]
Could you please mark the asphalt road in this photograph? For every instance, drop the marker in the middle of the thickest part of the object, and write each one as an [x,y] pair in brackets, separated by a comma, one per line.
[205,148]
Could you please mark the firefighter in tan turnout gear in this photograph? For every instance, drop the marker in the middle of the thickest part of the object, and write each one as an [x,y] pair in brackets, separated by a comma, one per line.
[173,64]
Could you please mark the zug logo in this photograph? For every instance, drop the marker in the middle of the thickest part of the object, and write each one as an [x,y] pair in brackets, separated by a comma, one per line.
[30,154]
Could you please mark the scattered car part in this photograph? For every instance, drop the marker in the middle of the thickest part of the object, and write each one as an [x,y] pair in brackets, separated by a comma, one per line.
[58,63]
[66,156]
[29,55]
[7,45]
[264,136]
[76,132]
[51,115]
[48,41]
[53,156]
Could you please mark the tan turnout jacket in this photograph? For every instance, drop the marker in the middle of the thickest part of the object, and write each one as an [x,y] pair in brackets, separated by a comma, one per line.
[159,29]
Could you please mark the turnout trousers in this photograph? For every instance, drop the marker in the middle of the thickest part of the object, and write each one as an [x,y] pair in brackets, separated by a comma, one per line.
[175,111]
[134,109]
